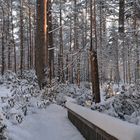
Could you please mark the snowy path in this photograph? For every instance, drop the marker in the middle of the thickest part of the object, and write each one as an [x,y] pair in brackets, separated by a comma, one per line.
[49,124]
[45,124]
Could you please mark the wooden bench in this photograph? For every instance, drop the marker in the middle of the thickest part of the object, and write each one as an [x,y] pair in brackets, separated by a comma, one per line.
[94,125]
[87,129]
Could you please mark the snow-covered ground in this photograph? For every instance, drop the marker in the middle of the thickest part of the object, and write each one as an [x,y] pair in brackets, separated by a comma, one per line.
[47,124]
[33,114]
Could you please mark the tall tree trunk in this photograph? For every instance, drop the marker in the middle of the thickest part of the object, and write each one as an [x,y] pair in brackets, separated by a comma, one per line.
[121,15]
[8,39]
[13,39]
[129,64]
[71,56]
[121,32]
[61,76]
[21,39]
[30,40]
[40,41]
[50,43]
[76,45]
[137,66]
[28,48]
[94,60]
[91,46]
[101,42]
[46,59]
[3,45]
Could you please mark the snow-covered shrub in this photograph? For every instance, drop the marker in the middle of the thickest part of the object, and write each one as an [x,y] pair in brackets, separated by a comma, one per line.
[1,80]
[29,75]
[2,131]
[25,95]
[10,77]
[82,94]
[60,99]
[108,90]
[43,104]
[125,106]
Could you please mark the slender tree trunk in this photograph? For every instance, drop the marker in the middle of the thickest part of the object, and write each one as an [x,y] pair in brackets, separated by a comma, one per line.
[94,61]
[101,41]
[50,43]
[47,39]
[121,32]
[61,76]
[76,45]
[71,56]
[67,68]
[129,65]
[13,39]
[28,53]
[3,46]
[121,15]
[8,39]
[117,64]
[91,47]
[30,40]
[137,69]
[21,39]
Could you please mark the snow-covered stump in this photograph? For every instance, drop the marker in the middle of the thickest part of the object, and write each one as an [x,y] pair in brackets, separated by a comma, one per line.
[97,126]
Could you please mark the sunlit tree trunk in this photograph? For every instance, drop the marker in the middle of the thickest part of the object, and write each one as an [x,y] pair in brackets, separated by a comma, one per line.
[40,41]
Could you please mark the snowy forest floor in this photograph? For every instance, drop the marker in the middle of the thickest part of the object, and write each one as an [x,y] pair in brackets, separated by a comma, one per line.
[29,113]
[28,116]
[51,124]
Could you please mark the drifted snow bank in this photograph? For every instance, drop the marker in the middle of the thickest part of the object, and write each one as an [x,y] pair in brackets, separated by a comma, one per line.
[115,127]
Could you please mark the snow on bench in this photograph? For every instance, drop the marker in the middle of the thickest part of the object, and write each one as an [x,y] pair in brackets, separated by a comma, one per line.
[109,128]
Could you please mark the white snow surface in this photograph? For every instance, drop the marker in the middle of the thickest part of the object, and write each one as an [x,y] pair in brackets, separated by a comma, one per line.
[40,124]
[46,124]
[115,127]
[4,92]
